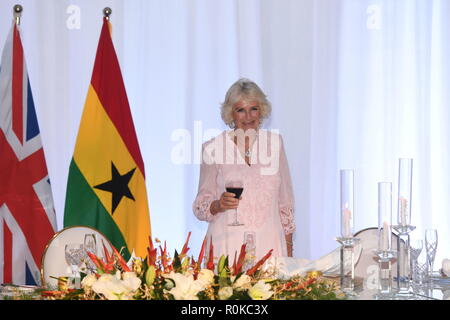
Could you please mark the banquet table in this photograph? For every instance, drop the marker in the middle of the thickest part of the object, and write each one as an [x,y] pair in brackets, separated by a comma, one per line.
[436,289]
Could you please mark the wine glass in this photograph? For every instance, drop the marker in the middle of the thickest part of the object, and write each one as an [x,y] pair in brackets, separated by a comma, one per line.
[90,245]
[237,188]
[420,274]
[250,249]
[416,247]
[74,257]
[431,242]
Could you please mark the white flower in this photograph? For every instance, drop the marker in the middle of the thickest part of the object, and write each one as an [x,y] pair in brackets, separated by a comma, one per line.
[88,281]
[260,291]
[242,283]
[225,293]
[114,288]
[111,287]
[188,272]
[206,276]
[186,288]
[131,281]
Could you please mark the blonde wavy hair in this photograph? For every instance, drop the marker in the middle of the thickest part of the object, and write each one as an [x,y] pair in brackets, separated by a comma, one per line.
[243,88]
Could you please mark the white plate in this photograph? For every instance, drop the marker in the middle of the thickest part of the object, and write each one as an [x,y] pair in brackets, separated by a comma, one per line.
[53,260]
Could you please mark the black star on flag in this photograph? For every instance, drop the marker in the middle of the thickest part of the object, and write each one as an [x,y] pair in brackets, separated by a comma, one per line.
[118,186]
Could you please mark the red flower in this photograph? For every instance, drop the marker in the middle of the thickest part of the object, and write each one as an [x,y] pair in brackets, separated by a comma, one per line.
[165,258]
[121,260]
[259,263]
[240,261]
[152,253]
[202,253]
[185,247]
[210,264]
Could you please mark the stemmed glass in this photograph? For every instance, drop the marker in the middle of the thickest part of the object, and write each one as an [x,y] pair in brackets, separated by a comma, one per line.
[416,247]
[420,273]
[237,188]
[74,257]
[250,249]
[90,245]
[431,242]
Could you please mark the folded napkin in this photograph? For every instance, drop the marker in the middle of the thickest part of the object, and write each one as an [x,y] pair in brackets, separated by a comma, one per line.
[446,267]
[287,267]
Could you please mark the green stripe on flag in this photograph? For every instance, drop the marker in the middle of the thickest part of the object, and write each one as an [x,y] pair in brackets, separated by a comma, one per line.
[84,208]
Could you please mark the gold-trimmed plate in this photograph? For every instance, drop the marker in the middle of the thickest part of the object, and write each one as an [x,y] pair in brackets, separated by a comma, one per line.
[53,263]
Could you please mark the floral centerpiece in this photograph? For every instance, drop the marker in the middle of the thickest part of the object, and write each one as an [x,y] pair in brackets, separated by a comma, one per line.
[162,277]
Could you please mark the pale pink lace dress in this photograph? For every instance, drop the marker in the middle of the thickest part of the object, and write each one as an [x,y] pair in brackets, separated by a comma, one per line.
[267,204]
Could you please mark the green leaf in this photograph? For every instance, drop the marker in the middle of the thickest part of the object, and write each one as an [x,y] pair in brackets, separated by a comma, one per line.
[224,272]
[145,264]
[223,261]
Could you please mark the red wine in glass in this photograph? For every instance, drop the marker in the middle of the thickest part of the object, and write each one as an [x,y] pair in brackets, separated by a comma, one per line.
[237,188]
[237,191]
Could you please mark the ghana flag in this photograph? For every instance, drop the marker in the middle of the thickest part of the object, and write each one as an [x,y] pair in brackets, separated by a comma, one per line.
[106,185]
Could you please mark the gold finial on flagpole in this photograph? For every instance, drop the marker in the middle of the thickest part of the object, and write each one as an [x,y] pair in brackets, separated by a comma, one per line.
[17,11]
[107,12]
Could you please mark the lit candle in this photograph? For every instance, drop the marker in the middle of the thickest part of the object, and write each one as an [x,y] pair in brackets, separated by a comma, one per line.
[403,208]
[385,236]
[346,207]
[404,191]
[347,216]
[384,215]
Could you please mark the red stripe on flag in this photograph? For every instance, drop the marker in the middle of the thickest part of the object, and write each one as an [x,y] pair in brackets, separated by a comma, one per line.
[108,84]
[17,86]
[16,190]
[7,241]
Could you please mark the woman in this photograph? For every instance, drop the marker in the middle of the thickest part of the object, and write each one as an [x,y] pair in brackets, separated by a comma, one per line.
[254,159]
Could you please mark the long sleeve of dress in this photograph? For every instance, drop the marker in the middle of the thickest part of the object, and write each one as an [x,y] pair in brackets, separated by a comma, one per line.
[286,197]
[206,191]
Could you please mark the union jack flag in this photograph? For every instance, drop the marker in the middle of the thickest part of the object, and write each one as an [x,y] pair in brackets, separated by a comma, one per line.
[27,215]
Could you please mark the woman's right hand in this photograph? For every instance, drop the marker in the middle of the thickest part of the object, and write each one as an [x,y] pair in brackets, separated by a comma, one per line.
[227,201]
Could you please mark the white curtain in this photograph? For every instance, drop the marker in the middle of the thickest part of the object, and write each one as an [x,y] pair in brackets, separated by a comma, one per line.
[355,84]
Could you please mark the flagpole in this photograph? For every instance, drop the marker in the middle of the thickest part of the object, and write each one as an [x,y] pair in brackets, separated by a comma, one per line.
[17,11]
[107,12]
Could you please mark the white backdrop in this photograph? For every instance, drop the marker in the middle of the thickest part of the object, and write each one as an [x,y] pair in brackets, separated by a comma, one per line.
[354,84]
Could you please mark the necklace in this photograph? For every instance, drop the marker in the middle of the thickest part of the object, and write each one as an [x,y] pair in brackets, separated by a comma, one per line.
[248,153]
